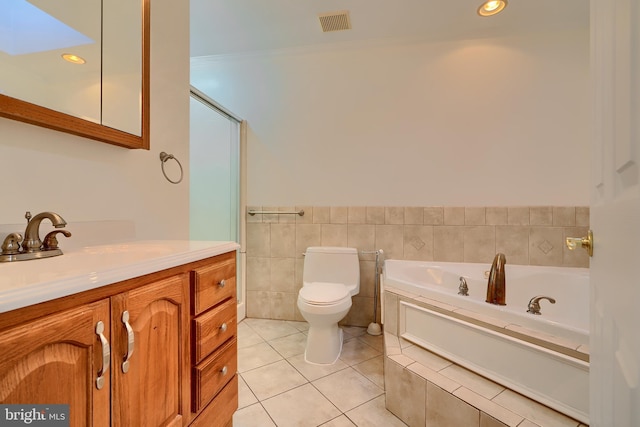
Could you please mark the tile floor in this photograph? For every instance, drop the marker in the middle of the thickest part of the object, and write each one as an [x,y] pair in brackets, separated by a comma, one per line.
[278,388]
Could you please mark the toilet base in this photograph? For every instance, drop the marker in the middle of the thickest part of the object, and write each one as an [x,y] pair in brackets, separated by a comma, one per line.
[324,344]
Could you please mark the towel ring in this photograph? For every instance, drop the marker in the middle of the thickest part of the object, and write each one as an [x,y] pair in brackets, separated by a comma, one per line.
[163,158]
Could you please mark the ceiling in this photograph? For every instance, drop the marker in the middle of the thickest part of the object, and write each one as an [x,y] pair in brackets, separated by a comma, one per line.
[222,27]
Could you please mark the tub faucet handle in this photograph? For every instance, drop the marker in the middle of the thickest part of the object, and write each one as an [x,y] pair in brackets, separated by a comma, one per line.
[463,289]
[534,304]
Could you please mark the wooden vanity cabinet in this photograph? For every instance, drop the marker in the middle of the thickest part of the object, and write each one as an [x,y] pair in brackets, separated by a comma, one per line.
[55,360]
[51,353]
[214,383]
[58,358]
[150,392]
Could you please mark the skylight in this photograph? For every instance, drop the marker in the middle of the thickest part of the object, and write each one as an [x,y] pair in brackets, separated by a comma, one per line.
[26,29]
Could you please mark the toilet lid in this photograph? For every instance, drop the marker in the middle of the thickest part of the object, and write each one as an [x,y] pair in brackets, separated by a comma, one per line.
[323,293]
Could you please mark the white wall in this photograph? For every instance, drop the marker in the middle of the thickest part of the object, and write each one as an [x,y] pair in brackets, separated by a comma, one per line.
[84,180]
[461,123]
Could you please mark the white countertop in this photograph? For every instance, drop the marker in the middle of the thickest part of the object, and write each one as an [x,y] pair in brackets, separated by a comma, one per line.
[23,283]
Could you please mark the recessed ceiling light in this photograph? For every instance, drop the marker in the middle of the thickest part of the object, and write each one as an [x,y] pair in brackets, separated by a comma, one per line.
[491,7]
[74,59]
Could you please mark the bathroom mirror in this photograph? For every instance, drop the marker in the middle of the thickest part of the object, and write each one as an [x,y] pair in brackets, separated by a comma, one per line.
[107,97]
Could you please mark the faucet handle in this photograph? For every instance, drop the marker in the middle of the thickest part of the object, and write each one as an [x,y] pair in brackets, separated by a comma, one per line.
[50,240]
[11,244]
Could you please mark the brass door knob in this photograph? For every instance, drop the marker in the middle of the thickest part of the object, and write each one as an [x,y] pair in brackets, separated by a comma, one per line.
[585,242]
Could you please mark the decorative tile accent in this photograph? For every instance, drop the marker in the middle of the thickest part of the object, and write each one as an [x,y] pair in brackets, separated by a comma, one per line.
[545,246]
[416,242]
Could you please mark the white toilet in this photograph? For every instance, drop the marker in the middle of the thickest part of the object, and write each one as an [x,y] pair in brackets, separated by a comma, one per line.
[331,275]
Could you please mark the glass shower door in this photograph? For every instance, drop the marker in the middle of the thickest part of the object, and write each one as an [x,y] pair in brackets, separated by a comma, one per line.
[214,175]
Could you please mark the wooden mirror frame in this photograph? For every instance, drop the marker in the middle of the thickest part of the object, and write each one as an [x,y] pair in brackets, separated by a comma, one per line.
[27,112]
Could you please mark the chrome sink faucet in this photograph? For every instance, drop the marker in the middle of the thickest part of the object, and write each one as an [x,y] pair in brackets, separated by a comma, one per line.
[496,288]
[15,248]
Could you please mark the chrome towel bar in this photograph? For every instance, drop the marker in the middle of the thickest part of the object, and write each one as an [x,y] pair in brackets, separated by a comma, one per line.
[254,212]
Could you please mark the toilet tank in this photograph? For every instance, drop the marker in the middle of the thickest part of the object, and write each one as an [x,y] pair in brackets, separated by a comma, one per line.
[332,264]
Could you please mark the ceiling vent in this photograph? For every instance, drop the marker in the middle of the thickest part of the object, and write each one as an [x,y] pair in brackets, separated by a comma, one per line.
[335,21]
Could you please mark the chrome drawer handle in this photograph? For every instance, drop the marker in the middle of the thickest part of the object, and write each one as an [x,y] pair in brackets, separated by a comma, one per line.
[224,370]
[221,283]
[130,341]
[223,327]
[106,355]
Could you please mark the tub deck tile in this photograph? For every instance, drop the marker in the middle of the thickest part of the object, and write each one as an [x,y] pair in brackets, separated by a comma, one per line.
[437,304]
[561,345]
[472,381]
[433,377]
[402,360]
[498,323]
[533,411]
[426,358]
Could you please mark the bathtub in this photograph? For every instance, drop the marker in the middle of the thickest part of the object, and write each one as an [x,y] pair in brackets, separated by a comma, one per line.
[544,357]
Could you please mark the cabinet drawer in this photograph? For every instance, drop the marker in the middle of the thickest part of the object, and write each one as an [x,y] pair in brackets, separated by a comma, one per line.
[213,328]
[213,284]
[211,375]
[220,412]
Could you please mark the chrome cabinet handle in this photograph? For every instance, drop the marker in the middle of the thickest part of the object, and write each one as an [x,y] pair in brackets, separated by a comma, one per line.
[224,370]
[130,341]
[221,283]
[223,327]
[106,355]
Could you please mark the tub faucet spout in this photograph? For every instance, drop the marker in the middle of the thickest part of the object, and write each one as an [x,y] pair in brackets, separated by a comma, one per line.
[496,290]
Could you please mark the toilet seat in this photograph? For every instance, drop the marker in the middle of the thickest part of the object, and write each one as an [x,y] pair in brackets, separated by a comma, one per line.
[323,293]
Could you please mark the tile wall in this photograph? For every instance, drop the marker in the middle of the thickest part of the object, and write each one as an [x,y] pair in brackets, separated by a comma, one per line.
[275,244]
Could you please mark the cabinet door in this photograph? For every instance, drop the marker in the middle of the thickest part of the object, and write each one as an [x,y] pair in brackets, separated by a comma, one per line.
[154,389]
[56,360]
